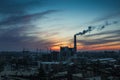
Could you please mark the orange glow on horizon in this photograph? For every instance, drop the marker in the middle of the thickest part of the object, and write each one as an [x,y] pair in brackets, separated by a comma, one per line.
[104,47]
[80,46]
[115,47]
[55,48]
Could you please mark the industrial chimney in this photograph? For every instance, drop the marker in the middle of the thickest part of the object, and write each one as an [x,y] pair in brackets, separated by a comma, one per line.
[75,47]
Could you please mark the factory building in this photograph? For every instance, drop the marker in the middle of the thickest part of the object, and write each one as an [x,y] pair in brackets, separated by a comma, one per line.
[66,53]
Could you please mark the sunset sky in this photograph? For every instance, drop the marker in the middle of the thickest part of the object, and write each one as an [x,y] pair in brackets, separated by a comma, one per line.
[46,24]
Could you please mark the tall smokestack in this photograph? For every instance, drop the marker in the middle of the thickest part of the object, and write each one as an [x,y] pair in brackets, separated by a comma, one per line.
[90,28]
[75,47]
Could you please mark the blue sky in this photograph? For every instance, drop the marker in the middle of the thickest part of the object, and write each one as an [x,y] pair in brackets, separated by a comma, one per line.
[45,24]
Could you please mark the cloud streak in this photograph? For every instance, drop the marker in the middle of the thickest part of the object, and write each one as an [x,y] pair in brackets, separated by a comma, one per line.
[16,38]
[15,29]
[24,19]
[104,33]
[113,37]
[107,17]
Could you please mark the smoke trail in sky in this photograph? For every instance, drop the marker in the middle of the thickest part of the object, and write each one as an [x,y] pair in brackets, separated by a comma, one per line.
[107,24]
[90,28]
[101,27]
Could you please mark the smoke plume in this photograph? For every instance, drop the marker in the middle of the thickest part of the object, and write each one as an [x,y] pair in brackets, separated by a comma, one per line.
[106,24]
[90,28]
[100,27]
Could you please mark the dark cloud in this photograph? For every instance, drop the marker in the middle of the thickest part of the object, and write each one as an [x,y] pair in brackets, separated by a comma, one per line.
[17,39]
[98,41]
[104,33]
[24,19]
[16,24]
[111,38]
